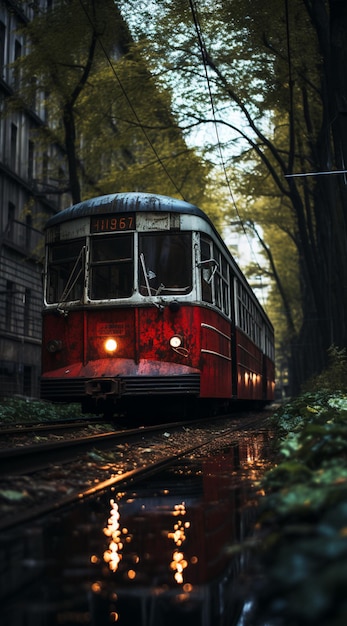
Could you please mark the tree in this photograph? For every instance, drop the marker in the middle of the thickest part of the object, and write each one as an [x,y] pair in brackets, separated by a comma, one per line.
[114,140]
[273,76]
[63,54]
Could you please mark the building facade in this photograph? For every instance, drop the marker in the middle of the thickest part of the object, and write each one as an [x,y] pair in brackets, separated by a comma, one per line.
[27,199]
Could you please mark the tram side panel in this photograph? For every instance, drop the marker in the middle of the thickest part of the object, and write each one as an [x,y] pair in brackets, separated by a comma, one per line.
[216,361]
[249,363]
[268,379]
[205,347]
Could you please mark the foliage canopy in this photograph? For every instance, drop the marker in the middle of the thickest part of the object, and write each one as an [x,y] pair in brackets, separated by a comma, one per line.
[109,115]
[271,79]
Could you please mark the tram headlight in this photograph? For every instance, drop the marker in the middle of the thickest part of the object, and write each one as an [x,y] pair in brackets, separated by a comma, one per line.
[175,341]
[110,345]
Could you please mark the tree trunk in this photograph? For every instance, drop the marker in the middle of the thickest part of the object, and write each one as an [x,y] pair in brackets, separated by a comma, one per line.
[70,137]
[324,294]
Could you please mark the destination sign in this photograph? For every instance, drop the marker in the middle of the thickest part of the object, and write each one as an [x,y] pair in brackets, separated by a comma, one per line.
[109,223]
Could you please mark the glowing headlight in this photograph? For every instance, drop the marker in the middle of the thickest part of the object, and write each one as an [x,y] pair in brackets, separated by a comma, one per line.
[175,341]
[110,345]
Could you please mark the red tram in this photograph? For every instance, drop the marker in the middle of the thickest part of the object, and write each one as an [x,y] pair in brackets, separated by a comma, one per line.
[143,302]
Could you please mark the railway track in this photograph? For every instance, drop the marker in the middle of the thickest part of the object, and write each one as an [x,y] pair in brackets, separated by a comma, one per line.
[59,426]
[130,457]
[21,459]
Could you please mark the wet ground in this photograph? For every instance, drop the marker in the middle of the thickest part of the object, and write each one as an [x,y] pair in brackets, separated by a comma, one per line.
[160,554]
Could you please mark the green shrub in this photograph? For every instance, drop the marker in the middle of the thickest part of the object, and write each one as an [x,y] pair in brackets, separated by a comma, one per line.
[334,377]
[18,410]
[303,515]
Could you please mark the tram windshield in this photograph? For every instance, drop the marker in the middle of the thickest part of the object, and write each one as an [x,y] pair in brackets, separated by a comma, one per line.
[111,267]
[66,271]
[165,263]
[164,267]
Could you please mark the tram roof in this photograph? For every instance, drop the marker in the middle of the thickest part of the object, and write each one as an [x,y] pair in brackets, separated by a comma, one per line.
[125,203]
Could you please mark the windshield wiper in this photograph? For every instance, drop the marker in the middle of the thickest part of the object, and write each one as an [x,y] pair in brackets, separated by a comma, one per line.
[148,275]
[145,273]
[72,280]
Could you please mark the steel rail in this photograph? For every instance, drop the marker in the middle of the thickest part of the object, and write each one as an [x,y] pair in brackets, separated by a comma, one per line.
[24,428]
[121,480]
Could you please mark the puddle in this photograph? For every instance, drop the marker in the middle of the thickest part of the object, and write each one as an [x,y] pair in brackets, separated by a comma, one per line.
[154,555]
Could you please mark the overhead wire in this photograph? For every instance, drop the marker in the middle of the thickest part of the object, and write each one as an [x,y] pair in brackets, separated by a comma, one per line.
[213,109]
[131,106]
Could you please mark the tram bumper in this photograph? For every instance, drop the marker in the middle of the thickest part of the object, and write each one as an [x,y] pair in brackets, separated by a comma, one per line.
[104,388]
[122,378]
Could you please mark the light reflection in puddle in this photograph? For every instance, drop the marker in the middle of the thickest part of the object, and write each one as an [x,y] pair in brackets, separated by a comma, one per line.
[146,558]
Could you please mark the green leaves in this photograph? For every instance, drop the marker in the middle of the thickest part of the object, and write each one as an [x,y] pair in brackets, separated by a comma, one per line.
[13,410]
[304,515]
[106,110]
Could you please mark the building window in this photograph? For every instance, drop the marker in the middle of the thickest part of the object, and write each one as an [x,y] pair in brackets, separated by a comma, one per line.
[2,47]
[17,50]
[8,377]
[27,376]
[45,167]
[27,312]
[9,304]
[28,231]
[10,221]
[17,54]
[33,83]
[13,154]
[30,160]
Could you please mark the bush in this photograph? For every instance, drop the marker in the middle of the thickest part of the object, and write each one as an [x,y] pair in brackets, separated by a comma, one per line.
[334,377]
[13,410]
[302,555]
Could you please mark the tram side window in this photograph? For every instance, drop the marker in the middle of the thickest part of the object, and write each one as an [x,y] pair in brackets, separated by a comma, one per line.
[241,307]
[225,282]
[217,279]
[65,271]
[111,267]
[221,279]
[166,259]
[206,271]
[215,284]
[249,316]
[255,325]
